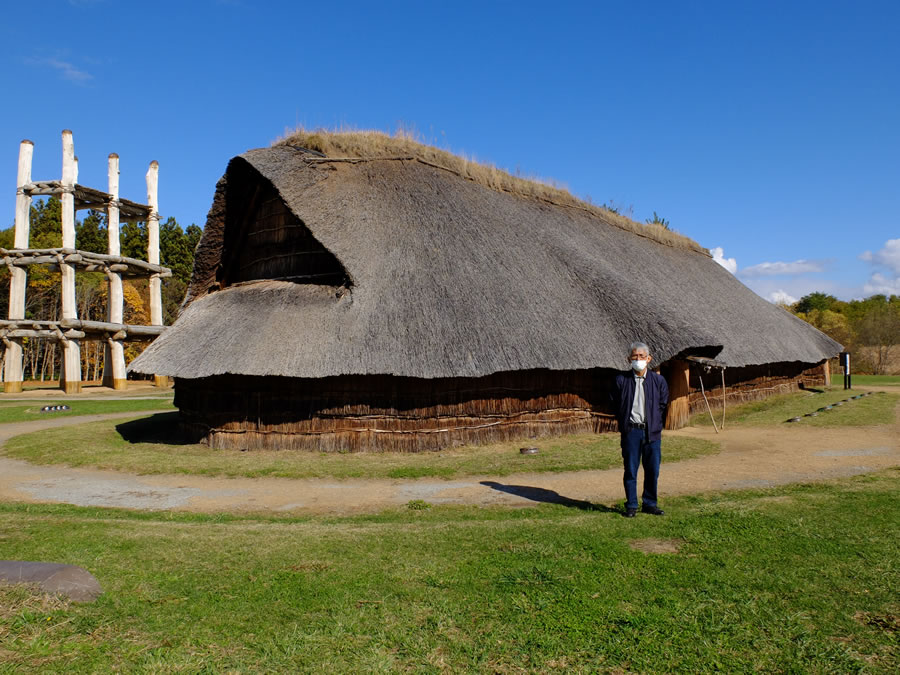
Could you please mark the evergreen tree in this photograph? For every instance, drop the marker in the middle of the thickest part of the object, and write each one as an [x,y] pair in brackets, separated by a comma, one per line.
[133,237]
[175,250]
[91,233]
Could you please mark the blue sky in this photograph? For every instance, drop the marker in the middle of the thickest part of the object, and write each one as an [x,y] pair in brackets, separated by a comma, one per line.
[769,130]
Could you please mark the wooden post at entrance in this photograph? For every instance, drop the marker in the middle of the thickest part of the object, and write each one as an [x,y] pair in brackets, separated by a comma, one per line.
[70,379]
[13,372]
[826,371]
[114,374]
[679,374]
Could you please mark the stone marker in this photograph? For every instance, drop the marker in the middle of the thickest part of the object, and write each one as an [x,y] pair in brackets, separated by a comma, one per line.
[75,582]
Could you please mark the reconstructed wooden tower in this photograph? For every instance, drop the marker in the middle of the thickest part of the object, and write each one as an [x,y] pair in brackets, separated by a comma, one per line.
[69,331]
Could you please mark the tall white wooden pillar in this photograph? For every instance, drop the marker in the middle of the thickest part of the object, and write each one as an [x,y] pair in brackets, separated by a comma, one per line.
[114,374]
[153,255]
[70,380]
[13,372]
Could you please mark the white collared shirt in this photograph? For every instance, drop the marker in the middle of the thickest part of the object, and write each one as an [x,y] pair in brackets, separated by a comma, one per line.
[638,406]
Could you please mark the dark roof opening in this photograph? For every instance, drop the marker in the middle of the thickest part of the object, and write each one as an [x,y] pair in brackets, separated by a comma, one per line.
[265,240]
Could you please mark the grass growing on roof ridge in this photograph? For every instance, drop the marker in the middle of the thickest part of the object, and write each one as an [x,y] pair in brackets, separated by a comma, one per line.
[373,144]
[785,579]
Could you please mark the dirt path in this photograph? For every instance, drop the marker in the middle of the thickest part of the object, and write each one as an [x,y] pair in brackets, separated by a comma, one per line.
[750,458]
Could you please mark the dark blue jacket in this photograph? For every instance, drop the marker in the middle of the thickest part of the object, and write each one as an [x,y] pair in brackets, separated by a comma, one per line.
[656,397]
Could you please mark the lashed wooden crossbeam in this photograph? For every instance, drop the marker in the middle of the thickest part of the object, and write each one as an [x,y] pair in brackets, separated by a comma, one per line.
[88,260]
[89,198]
[76,329]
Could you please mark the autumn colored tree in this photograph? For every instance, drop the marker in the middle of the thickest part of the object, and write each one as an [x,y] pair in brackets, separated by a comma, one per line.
[870,328]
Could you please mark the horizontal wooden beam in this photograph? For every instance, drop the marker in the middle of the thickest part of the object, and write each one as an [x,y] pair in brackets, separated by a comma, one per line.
[43,334]
[108,327]
[703,361]
[92,262]
[89,198]
[77,329]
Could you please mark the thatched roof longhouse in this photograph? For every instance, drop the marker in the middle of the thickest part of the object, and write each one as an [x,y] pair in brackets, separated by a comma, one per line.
[433,274]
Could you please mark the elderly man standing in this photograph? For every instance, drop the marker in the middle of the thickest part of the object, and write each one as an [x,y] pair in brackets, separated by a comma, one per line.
[640,397]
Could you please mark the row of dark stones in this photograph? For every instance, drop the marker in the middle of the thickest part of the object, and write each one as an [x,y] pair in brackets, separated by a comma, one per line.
[834,405]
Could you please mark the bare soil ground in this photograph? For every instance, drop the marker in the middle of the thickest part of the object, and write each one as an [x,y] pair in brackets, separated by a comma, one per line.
[137,389]
[750,458]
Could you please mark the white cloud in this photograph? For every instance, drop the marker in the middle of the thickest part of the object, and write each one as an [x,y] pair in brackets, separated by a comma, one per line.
[69,71]
[796,287]
[880,284]
[888,256]
[781,297]
[771,269]
[66,69]
[718,254]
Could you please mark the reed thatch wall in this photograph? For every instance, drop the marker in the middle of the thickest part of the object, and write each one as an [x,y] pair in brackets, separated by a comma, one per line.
[752,383]
[378,413]
[383,413]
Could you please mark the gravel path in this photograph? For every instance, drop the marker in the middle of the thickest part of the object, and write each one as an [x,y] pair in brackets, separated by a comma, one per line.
[750,458]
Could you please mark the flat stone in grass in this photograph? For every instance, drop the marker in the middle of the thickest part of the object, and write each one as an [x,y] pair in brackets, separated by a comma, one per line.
[69,580]
[651,545]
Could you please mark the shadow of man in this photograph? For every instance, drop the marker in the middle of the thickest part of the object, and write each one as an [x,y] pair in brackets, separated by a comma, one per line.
[537,494]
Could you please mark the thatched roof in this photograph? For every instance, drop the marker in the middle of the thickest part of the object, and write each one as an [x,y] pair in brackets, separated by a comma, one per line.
[450,277]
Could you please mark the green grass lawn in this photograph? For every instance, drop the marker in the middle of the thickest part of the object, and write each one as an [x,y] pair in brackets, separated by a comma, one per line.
[869,380]
[101,444]
[17,411]
[872,410]
[797,579]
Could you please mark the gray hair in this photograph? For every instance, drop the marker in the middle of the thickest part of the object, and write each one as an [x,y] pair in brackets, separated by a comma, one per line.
[640,346]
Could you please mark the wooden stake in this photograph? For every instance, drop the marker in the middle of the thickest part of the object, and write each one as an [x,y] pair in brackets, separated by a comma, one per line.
[153,253]
[70,380]
[13,370]
[114,374]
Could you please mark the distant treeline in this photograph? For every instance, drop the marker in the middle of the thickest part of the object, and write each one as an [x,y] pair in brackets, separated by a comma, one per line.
[869,328]
[42,298]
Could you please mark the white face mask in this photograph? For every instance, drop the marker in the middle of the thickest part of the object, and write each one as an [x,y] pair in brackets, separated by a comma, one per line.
[639,365]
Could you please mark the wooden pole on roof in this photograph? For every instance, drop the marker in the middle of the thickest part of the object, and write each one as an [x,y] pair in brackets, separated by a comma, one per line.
[13,372]
[114,374]
[153,254]
[70,380]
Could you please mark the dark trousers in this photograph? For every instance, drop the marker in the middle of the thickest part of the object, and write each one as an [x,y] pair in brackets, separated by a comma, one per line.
[637,450]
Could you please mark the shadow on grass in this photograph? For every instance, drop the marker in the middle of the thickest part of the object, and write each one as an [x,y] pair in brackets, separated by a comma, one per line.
[162,428]
[537,494]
